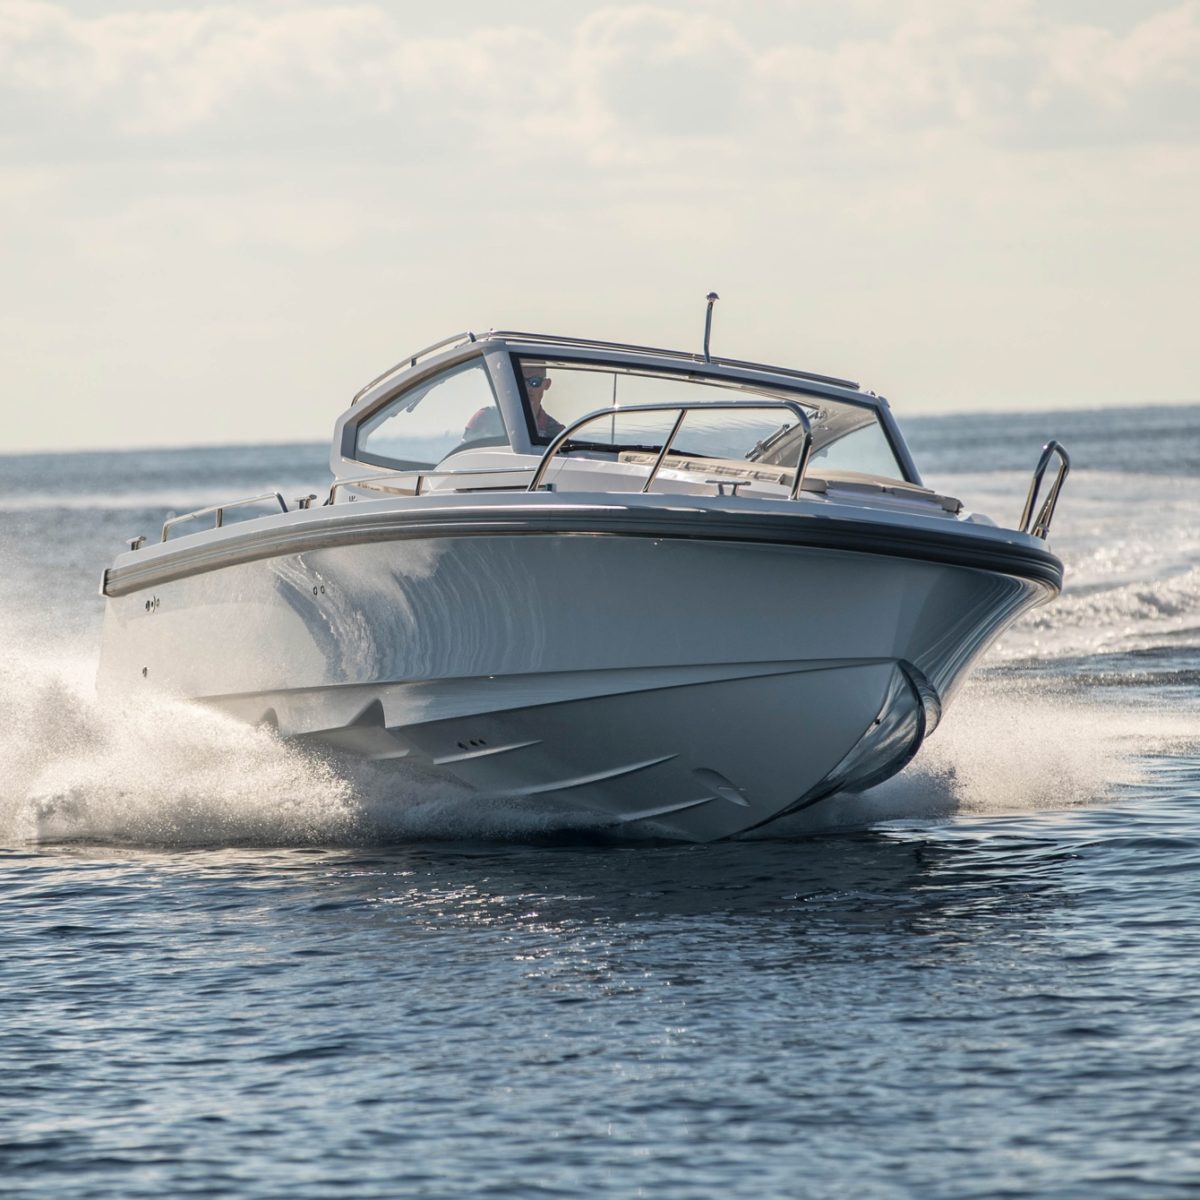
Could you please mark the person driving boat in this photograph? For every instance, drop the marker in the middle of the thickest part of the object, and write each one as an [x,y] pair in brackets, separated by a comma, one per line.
[487,421]
[537,384]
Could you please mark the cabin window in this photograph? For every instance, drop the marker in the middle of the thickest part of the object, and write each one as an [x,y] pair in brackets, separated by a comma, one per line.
[435,418]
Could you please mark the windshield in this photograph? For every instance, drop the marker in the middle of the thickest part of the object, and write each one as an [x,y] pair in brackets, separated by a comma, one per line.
[453,410]
[846,437]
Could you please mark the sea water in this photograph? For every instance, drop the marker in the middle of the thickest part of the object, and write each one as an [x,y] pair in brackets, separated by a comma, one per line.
[230,970]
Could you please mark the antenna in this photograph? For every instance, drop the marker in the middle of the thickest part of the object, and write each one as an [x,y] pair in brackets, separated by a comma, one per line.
[712,298]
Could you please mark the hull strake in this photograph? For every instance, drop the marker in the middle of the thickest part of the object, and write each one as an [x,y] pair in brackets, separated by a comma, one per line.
[700,753]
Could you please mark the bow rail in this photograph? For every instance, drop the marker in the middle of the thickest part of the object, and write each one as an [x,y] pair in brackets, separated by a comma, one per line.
[217,511]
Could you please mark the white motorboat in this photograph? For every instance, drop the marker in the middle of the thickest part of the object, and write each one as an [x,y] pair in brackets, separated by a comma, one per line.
[677,592]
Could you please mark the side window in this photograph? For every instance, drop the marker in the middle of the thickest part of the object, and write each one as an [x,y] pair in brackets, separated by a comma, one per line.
[423,425]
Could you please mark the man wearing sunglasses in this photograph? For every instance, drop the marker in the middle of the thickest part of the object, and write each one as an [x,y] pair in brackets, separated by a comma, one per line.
[486,423]
[536,385]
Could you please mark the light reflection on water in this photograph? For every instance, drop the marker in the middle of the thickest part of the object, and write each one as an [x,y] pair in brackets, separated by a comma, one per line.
[917,1009]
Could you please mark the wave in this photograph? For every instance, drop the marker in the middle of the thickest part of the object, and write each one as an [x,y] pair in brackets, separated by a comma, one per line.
[1130,617]
[165,502]
[1131,556]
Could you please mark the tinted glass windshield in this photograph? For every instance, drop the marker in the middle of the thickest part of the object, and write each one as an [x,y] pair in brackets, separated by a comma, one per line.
[455,410]
[846,437]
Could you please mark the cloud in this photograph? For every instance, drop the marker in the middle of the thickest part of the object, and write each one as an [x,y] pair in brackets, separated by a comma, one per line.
[1009,76]
[653,73]
[628,84]
[1144,86]
[333,81]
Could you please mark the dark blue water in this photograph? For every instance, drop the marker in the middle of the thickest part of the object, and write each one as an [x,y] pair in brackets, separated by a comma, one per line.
[229,971]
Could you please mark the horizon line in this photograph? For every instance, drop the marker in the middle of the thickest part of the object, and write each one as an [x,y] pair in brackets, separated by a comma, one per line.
[23,451]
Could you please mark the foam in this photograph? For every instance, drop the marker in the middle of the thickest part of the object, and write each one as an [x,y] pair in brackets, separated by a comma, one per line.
[156,771]
[1009,745]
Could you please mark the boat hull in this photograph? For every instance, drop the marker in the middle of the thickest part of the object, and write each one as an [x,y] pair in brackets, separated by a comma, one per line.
[697,687]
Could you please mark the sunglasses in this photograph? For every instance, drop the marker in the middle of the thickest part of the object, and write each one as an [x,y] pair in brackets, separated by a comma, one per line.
[535,381]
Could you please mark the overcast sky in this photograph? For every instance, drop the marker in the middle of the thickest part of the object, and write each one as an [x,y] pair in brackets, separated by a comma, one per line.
[217,221]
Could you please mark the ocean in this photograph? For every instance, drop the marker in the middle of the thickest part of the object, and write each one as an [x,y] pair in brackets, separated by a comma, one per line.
[228,970]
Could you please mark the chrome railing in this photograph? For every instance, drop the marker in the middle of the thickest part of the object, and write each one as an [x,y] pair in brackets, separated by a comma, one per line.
[411,360]
[400,486]
[1039,526]
[217,511]
[682,410]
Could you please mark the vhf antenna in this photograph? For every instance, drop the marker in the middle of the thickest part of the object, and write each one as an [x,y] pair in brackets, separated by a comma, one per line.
[712,298]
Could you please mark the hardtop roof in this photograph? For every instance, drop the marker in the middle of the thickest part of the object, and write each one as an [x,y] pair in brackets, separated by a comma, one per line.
[617,351]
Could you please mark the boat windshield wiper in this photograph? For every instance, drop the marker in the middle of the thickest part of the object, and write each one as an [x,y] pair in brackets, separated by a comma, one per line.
[617,447]
[760,448]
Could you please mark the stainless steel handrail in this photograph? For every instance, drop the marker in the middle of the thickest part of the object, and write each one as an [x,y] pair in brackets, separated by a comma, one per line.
[682,409]
[364,480]
[411,360]
[1041,523]
[219,510]
[420,476]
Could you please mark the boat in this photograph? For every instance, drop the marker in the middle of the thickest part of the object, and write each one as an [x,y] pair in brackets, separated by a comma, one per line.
[664,591]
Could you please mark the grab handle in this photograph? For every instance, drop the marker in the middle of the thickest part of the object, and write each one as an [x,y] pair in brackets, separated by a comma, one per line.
[1040,526]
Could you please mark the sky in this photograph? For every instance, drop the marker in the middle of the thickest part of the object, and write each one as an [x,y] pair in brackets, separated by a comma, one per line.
[217,221]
